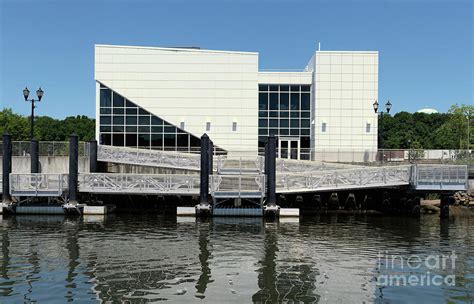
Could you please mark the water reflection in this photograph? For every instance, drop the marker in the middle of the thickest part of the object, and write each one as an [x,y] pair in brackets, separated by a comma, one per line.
[152,257]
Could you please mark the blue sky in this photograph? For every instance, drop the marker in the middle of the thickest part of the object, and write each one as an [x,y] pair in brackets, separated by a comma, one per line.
[426,47]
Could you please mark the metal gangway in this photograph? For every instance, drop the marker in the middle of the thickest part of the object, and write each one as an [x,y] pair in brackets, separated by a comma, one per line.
[418,177]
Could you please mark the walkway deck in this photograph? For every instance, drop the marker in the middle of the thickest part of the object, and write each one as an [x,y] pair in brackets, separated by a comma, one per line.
[238,177]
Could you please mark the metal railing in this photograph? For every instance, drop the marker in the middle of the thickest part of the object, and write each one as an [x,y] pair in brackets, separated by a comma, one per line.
[383,155]
[440,177]
[363,177]
[138,183]
[149,157]
[233,186]
[46,148]
[240,165]
[38,184]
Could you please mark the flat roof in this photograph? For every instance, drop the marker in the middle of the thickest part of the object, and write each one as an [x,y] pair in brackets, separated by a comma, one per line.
[174,49]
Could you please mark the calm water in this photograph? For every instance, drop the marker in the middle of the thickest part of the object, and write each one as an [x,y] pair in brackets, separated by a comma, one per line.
[139,258]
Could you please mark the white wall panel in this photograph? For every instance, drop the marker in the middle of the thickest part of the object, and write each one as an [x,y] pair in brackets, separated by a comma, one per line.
[194,86]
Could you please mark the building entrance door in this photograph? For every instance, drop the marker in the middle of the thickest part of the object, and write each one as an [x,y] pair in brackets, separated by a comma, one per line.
[289,148]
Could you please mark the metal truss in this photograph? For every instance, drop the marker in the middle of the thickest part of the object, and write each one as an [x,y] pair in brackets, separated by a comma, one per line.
[125,183]
[38,184]
[154,158]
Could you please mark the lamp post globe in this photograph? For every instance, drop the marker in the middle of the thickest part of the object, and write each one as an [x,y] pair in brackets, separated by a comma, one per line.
[26,93]
[39,93]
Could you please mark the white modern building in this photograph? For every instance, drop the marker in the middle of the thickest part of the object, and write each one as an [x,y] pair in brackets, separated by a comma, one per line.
[166,98]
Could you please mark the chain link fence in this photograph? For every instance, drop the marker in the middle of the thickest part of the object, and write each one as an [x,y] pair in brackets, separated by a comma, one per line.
[46,148]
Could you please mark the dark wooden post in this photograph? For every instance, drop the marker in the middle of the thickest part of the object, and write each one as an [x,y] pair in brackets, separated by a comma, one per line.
[211,157]
[7,168]
[93,156]
[73,168]
[444,207]
[204,185]
[34,155]
[270,171]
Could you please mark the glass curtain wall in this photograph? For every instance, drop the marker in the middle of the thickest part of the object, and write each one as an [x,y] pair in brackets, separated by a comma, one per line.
[285,111]
[123,123]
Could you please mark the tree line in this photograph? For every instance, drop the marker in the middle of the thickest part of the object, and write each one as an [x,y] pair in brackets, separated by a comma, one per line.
[401,131]
[46,128]
[428,131]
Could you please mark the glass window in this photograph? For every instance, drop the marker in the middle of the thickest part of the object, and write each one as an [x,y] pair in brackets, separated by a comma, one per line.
[284,123]
[273,88]
[295,114]
[323,127]
[105,98]
[284,101]
[144,129]
[119,101]
[157,129]
[262,123]
[295,123]
[273,114]
[143,112]
[305,88]
[118,140]
[169,129]
[106,139]
[284,88]
[274,101]
[105,120]
[169,141]
[132,129]
[118,120]
[105,129]
[262,114]
[284,114]
[182,140]
[129,104]
[144,120]
[117,128]
[194,141]
[131,111]
[263,87]
[305,142]
[305,102]
[262,131]
[306,114]
[105,111]
[367,128]
[295,88]
[157,141]
[234,126]
[294,132]
[131,120]
[273,123]
[208,126]
[156,121]
[263,101]
[130,140]
[273,132]
[118,111]
[305,123]
[295,101]
[144,140]
[284,131]
[102,86]
[305,131]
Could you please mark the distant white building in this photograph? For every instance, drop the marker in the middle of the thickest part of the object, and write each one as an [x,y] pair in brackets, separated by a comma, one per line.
[166,98]
[427,111]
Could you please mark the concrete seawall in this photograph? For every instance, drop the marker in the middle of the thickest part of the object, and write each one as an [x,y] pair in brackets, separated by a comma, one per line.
[48,164]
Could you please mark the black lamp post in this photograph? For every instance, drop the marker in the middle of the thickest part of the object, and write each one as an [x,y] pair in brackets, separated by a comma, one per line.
[388,106]
[26,93]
